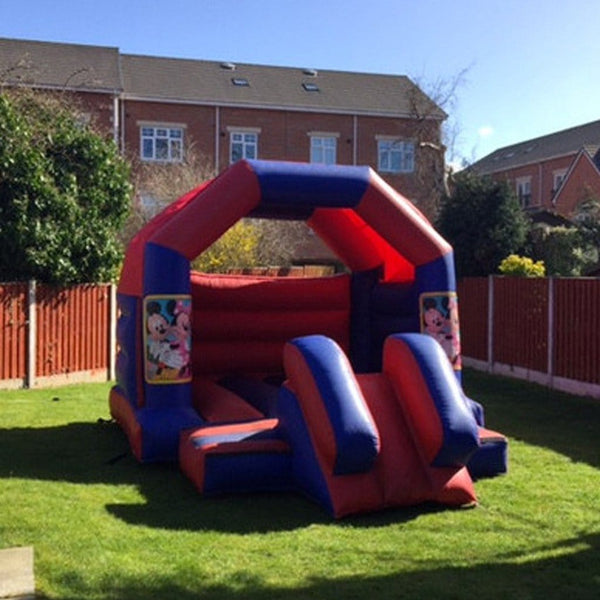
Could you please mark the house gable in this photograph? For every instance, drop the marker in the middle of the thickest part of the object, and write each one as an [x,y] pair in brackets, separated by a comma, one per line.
[581,182]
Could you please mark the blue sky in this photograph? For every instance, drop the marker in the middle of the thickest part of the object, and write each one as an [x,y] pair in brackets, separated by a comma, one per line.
[529,68]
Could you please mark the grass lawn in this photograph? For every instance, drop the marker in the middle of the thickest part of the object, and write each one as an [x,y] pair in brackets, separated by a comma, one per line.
[104,527]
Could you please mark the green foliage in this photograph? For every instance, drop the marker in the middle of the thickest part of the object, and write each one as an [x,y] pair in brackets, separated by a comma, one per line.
[566,251]
[521,266]
[587,219]
[236,248]
[483,222]
[64,194]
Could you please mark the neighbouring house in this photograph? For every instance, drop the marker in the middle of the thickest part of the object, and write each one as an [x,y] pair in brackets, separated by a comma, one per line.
[554,173]
[158,108]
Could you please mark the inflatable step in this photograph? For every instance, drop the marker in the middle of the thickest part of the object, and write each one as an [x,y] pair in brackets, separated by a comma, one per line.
[492,456]
[240,457]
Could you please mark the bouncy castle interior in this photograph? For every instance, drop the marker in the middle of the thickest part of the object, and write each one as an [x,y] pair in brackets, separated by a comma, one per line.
[344,388]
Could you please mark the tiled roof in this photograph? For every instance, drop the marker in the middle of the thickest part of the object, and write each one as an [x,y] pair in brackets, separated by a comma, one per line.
[281,87]
[561,143]
[73,66]
[60,66]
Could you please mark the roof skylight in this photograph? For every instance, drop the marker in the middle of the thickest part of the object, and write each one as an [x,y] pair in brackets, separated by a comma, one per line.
[310,87]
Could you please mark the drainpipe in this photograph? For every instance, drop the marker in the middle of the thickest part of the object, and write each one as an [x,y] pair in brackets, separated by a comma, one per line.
[354,140]
[217,137]
[116,119]
[122,102]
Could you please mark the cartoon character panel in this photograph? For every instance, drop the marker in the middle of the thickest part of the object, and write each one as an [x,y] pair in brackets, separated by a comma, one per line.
[167,339]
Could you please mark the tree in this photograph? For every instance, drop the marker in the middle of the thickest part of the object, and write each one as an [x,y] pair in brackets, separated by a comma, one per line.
[565,250]
[435,147]
[484,223]
[252,242]
[236,248]
[587,219]
[64,193]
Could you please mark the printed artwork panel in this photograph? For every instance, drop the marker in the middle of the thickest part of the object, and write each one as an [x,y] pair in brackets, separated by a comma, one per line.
[439,319]
[167,339]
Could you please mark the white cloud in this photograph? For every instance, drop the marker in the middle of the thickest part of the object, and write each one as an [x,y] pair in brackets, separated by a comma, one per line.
[485,131]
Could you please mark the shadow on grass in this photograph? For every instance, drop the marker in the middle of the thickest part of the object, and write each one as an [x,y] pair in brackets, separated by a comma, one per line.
[539,415]
[565,570]
[90,453]
[99,453]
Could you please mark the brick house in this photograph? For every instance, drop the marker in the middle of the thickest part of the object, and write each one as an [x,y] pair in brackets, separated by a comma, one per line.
[158,108]
[554,173]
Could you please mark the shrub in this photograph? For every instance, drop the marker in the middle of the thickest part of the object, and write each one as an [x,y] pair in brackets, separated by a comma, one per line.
[522,266]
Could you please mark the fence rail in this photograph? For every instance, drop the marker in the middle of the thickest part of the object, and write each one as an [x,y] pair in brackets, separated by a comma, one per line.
[55,335]
[545,330]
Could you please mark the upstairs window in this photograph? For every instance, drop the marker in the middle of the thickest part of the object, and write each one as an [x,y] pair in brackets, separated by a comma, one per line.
[243,145]
[524,191]
[161,143]
[558,177]
[395,156]
[323,149]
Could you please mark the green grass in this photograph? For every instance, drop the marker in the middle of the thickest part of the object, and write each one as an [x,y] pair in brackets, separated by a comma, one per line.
[104,527]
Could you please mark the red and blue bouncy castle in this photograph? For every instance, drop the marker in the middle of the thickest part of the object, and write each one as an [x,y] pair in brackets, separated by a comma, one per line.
[346,388]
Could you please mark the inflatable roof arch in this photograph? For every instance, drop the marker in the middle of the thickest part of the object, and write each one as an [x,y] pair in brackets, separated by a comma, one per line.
[365,222]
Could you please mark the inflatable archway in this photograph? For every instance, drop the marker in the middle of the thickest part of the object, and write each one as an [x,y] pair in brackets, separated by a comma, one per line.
[198,352]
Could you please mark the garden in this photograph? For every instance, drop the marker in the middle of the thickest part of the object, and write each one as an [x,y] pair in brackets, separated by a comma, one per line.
[103,526]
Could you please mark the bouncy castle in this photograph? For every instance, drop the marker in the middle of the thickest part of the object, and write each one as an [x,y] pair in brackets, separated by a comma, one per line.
[344,388]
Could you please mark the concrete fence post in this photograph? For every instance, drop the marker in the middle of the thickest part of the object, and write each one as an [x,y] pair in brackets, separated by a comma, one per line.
[31,366]
[490,328]
[550,341]
[112,332]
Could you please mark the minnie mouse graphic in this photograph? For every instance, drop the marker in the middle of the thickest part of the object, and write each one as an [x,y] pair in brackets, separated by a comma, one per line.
[182,332]
[164,360]
[440,321]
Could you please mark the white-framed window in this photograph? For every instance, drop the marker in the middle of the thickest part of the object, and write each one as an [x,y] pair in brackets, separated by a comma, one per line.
[243,143]
[162,143]
[395,155]
[323,148]
[558,177]
[524,191]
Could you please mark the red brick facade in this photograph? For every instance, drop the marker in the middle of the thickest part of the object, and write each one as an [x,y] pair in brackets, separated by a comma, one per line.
[554,173]
[285,135]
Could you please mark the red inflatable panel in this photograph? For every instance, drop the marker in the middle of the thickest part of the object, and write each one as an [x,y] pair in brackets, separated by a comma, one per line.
[359,245]
[382,207]
[123,414]
[230,197]
[217,405]
[240,324]
[404,373]
[242,292]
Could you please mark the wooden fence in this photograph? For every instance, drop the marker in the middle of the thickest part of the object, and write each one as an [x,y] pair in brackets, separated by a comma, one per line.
[545,330]
[54,336]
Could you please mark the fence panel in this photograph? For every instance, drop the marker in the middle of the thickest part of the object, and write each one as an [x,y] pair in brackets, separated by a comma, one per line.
[473,314]
[13,328]
[521,322]
[577,327]
[73,329]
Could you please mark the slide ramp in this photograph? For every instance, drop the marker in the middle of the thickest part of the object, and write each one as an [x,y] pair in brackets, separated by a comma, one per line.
[395,438]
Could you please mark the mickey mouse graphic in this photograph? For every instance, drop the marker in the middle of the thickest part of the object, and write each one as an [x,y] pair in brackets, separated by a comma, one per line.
[162,360]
